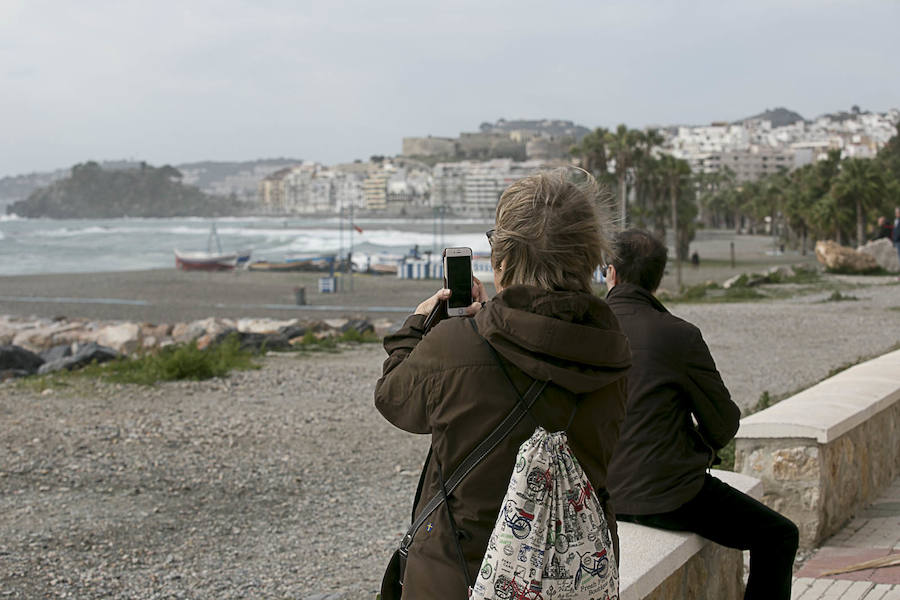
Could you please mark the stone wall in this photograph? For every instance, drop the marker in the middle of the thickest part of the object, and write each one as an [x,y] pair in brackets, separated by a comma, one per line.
[715,573]
[830,453]
[670,565]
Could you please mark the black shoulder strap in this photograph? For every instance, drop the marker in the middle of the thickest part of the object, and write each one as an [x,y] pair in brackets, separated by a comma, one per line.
[475,457]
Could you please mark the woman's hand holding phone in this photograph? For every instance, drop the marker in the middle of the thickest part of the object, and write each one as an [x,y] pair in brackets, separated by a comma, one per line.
[442,295]
[428,305]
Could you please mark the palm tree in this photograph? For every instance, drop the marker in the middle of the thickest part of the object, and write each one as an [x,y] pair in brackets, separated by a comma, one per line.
[644,164]
[592,152]
[621,145]
[676,173]
[860,182]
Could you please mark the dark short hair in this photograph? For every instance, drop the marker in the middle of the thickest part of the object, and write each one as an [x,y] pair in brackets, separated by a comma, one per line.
[639,258]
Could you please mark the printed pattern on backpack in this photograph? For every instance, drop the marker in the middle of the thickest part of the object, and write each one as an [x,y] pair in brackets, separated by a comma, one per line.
[551,540]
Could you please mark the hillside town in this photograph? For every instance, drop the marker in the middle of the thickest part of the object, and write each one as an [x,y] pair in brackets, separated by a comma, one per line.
[465,175]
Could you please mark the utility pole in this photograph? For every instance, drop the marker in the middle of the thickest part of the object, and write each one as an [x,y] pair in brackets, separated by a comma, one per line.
[350,254]
[340,237]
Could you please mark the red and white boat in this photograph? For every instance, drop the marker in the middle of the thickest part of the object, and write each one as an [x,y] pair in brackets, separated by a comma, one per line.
[209,260]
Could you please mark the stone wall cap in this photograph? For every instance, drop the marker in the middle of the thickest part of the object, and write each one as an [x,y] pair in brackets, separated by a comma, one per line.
[652,555]
[832,407]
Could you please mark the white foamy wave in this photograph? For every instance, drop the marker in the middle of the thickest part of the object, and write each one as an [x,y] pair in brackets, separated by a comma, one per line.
[10,217]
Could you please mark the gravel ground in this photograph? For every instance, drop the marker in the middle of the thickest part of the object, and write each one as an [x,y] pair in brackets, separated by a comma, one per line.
[285,482]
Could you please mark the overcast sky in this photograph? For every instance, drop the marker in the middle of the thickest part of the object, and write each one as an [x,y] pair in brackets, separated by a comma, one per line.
[172,82]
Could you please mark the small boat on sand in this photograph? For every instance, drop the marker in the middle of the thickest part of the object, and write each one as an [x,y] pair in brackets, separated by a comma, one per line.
[209,260]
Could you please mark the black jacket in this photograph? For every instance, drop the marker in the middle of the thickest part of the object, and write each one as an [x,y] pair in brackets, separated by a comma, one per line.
[661,457]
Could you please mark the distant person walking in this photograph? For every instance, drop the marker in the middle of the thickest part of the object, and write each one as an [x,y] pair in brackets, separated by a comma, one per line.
[657,475]
[895,235]
[883,230]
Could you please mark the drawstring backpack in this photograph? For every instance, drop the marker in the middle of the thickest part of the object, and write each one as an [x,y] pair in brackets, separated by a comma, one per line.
[551,540]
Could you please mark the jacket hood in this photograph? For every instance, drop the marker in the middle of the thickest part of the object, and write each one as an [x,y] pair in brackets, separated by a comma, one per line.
[570,338]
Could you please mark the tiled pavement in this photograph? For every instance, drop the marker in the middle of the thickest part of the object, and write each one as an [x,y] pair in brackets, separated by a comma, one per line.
[874,533]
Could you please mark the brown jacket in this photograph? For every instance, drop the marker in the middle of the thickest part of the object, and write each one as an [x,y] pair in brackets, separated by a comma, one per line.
[448,384]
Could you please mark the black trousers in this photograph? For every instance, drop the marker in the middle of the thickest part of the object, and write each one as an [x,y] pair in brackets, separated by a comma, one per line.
[733,519]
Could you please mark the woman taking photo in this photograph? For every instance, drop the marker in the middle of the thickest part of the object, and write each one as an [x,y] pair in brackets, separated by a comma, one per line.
[545,324]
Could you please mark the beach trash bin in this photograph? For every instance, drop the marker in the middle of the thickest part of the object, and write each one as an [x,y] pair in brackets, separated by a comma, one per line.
[300,296]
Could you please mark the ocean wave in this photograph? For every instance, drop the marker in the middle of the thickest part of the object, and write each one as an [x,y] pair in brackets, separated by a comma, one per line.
[296,239]
[11,217]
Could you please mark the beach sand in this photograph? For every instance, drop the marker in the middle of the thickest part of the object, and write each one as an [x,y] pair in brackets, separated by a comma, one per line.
[170,295]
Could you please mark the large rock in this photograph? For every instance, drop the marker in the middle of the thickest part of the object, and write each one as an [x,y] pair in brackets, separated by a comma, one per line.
[57,352]
[84,355]
[841,259]
[16,358]
[44,335]
[122,338]
[265,326]
[254,342]
[884,252]
[361,326]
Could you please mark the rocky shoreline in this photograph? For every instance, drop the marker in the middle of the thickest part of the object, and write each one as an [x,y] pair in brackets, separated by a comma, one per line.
[31,346]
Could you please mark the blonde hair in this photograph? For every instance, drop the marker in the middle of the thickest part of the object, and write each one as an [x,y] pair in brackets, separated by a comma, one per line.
[550,230]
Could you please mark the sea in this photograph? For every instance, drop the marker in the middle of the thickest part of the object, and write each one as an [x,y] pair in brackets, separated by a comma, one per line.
[32,246]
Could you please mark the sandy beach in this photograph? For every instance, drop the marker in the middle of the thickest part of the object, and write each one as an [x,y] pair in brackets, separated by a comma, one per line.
[170,295]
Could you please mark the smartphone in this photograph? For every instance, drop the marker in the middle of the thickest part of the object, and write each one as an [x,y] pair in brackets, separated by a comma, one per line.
[458,279]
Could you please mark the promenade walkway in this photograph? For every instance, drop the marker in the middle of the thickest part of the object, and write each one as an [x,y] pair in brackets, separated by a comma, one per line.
[873,534]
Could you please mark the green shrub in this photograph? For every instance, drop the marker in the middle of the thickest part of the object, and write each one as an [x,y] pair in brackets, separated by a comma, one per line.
[740,294]
[764,402]
[694,292]
[179,362]
[740,282]
[330,343]
[837,296]
[802,276]
[727,456]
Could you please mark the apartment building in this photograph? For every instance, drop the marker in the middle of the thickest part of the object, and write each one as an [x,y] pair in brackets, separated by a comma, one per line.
[471,188]
[748,164]
[272,191]
[374,188]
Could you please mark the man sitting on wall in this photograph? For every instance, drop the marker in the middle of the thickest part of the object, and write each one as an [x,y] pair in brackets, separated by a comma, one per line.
[678,414]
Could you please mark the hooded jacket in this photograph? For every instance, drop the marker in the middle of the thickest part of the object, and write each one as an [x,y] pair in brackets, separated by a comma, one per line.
[449,384]
[661,458]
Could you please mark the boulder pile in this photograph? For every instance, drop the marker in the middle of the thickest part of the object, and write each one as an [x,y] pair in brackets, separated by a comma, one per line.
[884,253]
[32,345]
[841,259]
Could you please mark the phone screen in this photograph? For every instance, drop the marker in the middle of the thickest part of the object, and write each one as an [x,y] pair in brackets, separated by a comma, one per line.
[459,280]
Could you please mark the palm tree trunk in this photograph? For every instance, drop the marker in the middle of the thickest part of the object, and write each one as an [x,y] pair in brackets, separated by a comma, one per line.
[622,199]
[860,224]
[673,198]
